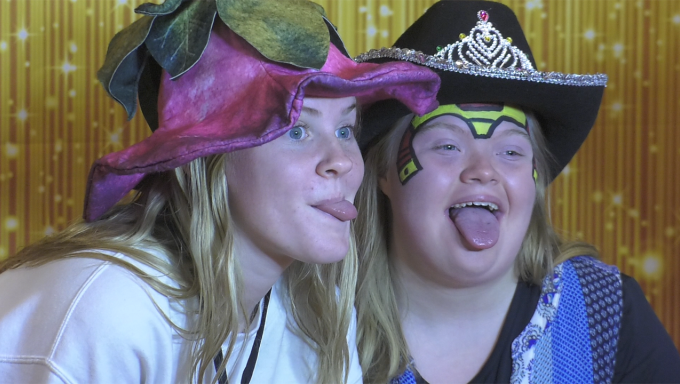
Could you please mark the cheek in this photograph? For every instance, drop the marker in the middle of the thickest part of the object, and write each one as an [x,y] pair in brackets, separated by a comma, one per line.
[519,175]
[425,192]
[253,179]
[357,172]
[244,194]
[434,181]
[524,194]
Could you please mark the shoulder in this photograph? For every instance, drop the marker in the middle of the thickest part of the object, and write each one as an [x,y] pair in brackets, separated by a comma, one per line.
[595,283]
[50,295]
[646,352]
[76,289]
[285,355]
[587,288]
[83,317]
[580,310]
[589,268]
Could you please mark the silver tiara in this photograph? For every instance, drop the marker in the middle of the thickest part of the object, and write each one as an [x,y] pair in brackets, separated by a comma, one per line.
[484,52]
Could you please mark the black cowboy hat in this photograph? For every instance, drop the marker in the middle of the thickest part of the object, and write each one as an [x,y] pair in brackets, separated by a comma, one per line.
[485,33]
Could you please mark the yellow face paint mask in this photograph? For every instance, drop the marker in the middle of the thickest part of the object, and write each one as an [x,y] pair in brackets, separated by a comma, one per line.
[482,119]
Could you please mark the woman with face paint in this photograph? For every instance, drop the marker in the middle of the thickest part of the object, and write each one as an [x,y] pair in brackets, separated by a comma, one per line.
[462,278]
[225,264]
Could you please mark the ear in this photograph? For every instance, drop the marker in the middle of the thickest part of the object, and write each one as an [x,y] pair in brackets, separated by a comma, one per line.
[384,185]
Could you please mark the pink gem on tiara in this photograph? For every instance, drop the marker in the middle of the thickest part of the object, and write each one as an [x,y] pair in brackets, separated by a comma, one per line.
[483,16]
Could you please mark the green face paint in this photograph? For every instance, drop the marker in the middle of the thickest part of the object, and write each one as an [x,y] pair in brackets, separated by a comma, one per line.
[482,119]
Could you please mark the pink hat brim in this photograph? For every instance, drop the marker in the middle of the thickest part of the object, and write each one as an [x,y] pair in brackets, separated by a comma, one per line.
[234,98]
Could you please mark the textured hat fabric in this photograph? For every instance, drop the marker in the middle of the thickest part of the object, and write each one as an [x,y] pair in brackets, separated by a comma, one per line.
[565,105]
[234,98]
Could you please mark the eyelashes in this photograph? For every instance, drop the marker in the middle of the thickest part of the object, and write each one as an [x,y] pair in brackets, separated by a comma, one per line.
[298,132]
[345,133]
[301,131]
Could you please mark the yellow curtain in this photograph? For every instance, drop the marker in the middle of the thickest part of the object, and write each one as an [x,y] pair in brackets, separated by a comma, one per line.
[621,192]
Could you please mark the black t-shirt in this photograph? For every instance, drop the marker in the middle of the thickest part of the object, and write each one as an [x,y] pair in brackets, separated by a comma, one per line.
[646,353]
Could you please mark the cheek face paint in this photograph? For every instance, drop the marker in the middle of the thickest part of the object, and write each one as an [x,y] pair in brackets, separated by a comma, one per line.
[407,162]
[482,119]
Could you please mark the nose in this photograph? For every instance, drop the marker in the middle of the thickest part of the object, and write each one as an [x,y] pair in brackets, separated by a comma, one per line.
[479,169]
[336,160]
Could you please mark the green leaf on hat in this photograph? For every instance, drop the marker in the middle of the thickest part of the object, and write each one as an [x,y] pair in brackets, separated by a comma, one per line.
[178,40]
[335,37]
[124,62]
[165,8]
[176,33]
[287,31]
[318,7]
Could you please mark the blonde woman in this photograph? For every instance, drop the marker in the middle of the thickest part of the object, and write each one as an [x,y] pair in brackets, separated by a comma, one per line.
[227,263]
[462,278]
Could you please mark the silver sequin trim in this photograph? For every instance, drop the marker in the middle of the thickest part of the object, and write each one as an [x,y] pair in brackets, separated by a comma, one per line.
[515,73]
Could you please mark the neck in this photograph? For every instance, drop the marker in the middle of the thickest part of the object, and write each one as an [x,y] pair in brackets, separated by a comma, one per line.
[259,272]
[429,302]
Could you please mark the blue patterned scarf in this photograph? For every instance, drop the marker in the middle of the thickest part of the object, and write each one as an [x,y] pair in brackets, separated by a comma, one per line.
[573,334]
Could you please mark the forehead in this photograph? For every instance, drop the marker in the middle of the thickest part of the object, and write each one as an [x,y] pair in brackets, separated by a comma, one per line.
[481,119]
[317,106]
[458,126]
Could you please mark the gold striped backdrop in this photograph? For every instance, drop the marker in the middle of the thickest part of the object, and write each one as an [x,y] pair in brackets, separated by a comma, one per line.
[621,192]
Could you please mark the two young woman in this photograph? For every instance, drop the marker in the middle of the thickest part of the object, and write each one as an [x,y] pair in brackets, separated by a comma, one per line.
[227,263]
[462,278]
[211,272]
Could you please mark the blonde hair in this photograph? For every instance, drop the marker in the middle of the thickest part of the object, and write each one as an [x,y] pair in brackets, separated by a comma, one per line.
[185,214]
[383,351]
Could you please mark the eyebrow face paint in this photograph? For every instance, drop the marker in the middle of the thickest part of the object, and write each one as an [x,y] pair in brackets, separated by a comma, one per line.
[481,119]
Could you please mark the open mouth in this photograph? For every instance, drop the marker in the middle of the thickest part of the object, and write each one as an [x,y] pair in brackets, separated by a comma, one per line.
[490,206]
[477,222]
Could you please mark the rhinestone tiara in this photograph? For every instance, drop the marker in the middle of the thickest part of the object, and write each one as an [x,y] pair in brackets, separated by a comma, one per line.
[484,52]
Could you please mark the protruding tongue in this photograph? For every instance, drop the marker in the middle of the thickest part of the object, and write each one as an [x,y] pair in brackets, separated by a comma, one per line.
[478,225]
[342,210]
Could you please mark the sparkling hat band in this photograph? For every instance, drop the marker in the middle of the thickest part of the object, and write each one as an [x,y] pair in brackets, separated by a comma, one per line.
[484,52]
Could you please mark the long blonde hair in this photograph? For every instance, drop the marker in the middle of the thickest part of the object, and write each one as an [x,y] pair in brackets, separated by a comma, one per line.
[185,214]
[383,351]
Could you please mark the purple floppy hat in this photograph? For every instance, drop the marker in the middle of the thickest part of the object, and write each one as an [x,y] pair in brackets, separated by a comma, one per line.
[235,98]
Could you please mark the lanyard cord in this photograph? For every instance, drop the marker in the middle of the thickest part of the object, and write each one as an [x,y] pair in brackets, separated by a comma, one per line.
[252,359]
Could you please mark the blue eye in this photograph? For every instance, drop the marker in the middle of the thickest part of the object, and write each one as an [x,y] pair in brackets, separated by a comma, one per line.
[297,133]
[512,153]
[448,147]
[344,133]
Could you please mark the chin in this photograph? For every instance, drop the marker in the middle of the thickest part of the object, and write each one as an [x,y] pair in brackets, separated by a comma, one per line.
[322,243]
[330,252]
[476,267]
[496,272]
[336,254]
